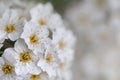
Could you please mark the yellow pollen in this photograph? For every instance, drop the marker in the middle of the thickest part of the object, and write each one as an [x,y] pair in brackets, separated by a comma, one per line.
[35,77]
[48,58]
[33,39]
[10,28]
[25,57]
[61,44]
[61,65]
[42,22]
[7,69]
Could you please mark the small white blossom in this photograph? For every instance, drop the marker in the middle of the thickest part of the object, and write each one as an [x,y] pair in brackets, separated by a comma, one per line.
[64,41]
[35,36]
[48,62]
[11,25]
[22,58]
[44,16]
[40,76]
[7,70]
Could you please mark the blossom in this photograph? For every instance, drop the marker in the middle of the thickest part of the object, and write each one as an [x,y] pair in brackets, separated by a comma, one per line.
[22,58]
[11,25]
[44,16]
[48,62]
[41,13]
[40,76]
[37,36]
[7,70]
[63,70]
[34,43]
[64,41]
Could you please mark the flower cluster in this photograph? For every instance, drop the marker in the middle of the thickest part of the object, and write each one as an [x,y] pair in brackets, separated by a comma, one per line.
[35,45]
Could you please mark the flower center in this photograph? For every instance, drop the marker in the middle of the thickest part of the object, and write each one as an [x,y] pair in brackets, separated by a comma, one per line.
[48,58]
[35,77]
[10,28]
[42,22]
[25,57]
[61,44]
[7,69]
[33,39]
[61,65]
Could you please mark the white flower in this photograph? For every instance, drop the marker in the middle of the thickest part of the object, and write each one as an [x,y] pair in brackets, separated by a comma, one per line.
[22,58]
[63,70]
[40,76]
[40,49]
[65,75]
[11,25]
[48,62]
[44,16]
[64,42]
[7,70]
[35,36]
[41,9]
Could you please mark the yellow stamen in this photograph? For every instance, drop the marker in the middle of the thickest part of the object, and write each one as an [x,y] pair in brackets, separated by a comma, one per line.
[7,69]
[35,77]
[48,58]
[61,65]
[42,22]
[10,28]
[61,44]
[25,57]
[33,39]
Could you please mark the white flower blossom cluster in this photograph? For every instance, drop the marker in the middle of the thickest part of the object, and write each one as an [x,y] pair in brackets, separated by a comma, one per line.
[34,48]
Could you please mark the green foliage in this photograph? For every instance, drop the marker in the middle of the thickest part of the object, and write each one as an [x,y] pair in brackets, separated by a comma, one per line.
[59,5]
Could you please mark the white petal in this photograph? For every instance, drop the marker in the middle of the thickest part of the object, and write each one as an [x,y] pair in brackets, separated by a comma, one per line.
[20,46]
[34,69]
[2,61]
[21,69]
[10,55]
[6,15]
[14,36]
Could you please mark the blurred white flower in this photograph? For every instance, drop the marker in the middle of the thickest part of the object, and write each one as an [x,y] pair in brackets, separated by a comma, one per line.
[40,76]
[44,16]
[63,70]
[64,41]
[48,62]
[41,14]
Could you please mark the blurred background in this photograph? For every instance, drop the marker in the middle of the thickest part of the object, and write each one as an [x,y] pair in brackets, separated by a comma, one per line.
[96,25]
